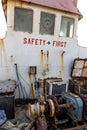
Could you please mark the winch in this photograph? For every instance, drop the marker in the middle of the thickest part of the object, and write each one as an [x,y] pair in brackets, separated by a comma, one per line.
[39,109]
[75,112]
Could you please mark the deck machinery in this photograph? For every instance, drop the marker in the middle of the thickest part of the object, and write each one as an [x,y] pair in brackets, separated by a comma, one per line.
[64,108]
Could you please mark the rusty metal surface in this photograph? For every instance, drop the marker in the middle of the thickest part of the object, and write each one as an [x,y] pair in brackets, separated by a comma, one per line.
[84,73]
[44,61]
[79,63]
[47,60]
[62,72]
[79,68]
[67,105]
[64,5]
[2,43]
[85,64]
[81,82]
[83,127]
[41,123]
[77,73]
[7,86]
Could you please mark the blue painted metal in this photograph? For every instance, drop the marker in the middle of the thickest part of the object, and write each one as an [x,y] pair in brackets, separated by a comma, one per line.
[76,112]
[3,117]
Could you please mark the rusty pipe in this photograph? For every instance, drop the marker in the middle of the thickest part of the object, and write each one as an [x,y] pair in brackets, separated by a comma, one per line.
[68,105]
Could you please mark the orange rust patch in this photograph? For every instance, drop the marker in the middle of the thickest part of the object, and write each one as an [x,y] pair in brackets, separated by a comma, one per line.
[62,65]
[5,57]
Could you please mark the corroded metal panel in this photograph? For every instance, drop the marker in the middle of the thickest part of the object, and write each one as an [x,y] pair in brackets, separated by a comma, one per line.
[80,68]
[79,64]
[77,73]
[32,70]
[85,63]
[84,73]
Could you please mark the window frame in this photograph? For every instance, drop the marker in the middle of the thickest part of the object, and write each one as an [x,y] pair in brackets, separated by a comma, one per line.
[67,34]
[24,30]
[53,23]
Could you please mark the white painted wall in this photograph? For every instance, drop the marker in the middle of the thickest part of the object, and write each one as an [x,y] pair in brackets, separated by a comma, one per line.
[24,55]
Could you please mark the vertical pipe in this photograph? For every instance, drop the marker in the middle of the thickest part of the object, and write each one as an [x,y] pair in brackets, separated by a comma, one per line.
[31,85]
[42,57]
[62,65]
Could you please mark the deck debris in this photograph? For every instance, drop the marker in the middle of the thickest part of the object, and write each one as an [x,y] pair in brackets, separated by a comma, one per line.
[19,126]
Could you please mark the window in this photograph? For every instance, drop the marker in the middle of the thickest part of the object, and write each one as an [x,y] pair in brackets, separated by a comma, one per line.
[47,22]
[23,20]
[67,27]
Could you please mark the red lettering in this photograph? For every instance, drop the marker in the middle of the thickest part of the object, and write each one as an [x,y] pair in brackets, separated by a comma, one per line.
[32,40]
[40,41]
[61,44]
[58,43]
[54,43]
[36,41]
[25,40]
[64,44]
[44,42]
[28,40]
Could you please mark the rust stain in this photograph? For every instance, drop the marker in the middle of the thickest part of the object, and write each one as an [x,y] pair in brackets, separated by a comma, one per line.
[47,61]
[31,85]
[15,3]
[42,57]
[44,62]
[62,65]
[5,56]
[4,4]
[20,3]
